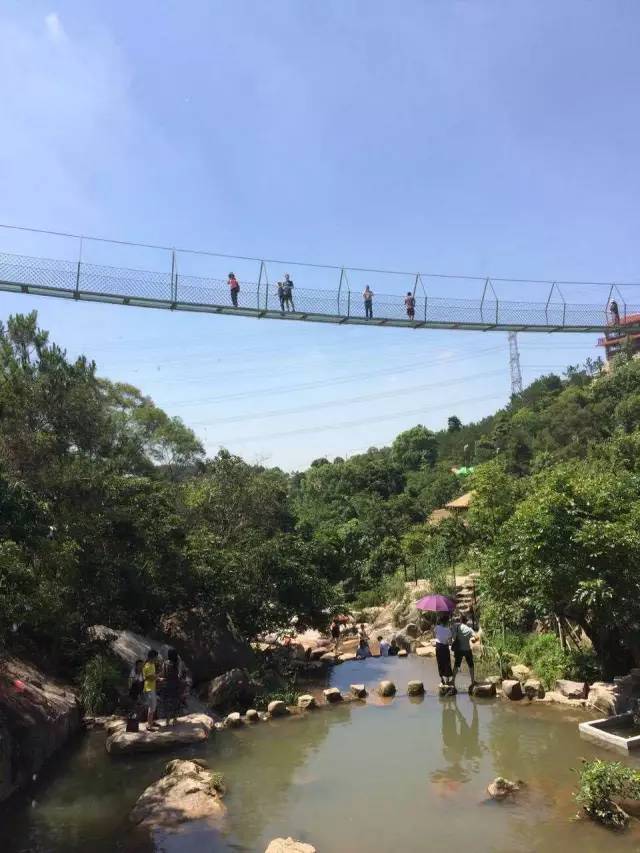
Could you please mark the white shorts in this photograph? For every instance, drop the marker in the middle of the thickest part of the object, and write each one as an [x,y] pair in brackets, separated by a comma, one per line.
[151,699]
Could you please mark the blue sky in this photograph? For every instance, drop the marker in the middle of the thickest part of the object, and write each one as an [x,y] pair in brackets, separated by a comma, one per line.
[481,138]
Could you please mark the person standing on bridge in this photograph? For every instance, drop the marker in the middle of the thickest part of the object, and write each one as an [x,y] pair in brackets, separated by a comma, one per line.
[615,312]
[410,304]
[287,286]
[234,288]
[281,296]
[367,295]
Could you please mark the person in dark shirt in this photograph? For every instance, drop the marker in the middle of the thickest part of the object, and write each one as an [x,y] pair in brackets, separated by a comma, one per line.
[410,303]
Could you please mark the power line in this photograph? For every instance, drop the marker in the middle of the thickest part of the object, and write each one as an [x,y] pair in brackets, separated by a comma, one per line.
[334,267]
[349,401]
[358,422]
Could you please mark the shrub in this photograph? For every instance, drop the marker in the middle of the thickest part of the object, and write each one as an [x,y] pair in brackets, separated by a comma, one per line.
[99,685]
[389,589]
[544,654]
[500,650]
[583,665]
[600,783]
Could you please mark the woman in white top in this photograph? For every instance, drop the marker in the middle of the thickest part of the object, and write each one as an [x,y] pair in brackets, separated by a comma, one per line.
[443,641]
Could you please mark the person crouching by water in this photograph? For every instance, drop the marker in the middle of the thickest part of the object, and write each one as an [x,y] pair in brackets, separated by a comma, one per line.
[443,656]
[150,688]
[363,651]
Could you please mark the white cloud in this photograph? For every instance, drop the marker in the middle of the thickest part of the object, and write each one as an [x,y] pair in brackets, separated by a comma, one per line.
[55,30]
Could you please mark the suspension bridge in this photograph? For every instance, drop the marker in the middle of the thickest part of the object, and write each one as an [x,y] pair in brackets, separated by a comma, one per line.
[483,310]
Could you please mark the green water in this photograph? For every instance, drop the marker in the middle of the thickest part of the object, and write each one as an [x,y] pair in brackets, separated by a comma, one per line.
[404,776]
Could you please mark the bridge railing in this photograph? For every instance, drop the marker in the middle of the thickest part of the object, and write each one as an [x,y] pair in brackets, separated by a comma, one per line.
[173,289]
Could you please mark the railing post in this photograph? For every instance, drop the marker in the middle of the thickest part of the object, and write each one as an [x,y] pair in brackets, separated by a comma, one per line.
[174,287]
[425,308]
[76,295]
[486,284]
[348,303]
[259,283]
[340,287]
[497,309]
[546,307]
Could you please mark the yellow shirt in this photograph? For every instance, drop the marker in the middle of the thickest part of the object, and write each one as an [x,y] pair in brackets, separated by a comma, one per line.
[150,675]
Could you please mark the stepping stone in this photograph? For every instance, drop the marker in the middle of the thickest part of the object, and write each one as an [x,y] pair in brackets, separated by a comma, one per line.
[483,690]
[415,688]
[194,728]
[387,688]
[512,689]
[233,720]
[332,695]
[447,690]
[403,653]
[306,702]
[252,716]
[358,690]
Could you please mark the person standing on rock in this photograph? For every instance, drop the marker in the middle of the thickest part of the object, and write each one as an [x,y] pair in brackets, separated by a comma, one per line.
[463,636]
[173,687]
[335,633]
[443,640]
[150,688]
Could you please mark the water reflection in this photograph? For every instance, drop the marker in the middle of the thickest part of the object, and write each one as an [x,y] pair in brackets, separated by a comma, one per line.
[461,746]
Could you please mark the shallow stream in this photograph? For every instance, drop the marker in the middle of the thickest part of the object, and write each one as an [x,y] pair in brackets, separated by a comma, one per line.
[404,775]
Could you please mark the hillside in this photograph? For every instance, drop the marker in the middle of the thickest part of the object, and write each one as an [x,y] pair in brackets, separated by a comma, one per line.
[111,514]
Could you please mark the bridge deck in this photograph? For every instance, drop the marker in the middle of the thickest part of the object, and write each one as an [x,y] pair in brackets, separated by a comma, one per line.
[147,289]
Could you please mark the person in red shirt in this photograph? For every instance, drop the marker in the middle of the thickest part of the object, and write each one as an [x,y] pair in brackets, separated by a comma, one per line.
[234,288]
[410,303]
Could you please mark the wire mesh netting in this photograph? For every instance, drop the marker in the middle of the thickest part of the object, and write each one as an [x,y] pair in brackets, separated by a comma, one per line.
[486,311]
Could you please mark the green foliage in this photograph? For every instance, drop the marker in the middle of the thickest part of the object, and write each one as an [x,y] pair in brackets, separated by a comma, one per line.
[415,448]
[601,782]
[390,588]
[500,650]
[99,685]
[545,656]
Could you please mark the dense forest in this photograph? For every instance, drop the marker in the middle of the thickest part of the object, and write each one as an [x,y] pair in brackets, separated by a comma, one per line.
[111,513]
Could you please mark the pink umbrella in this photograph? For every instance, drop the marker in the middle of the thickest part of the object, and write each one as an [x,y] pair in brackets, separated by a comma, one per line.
[437,603]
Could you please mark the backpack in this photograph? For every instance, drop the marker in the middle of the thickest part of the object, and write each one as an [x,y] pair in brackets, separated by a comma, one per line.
[132,723]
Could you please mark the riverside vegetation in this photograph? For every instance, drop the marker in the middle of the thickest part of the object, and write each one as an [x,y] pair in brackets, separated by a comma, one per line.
[111,513]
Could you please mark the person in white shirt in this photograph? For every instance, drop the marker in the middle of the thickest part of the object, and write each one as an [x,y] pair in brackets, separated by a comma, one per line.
[384,647]
[442,634]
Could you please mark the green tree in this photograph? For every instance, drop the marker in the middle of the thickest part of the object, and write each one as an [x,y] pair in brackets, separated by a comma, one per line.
[415,448]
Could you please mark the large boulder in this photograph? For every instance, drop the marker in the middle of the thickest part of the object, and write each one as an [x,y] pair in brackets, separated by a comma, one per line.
[512,689]
[289,845]
[232,688]
[207,651]
[412,630]
[404,641]
[194,728]
[38,715]
[533,689]
[426,651]
[187,791]
[520,672]
[572,689]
